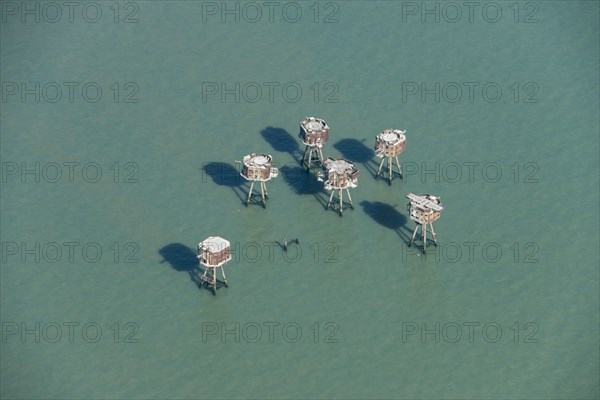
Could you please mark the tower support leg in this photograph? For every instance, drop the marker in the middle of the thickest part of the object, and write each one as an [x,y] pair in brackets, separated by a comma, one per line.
[250,193]
[433,234]
[330,198]
[424,231]
[224,277]
[214,281]
[262,191]
[205,275]
[413,235]
[380,165]
[399,167]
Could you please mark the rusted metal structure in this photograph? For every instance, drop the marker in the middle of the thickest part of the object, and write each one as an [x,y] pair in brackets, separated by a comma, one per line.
[341,174]
[424,209]
[389,144]
[258,168]
[213,253]
[314,133]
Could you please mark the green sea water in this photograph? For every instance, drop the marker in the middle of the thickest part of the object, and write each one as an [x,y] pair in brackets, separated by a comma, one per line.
[507,306]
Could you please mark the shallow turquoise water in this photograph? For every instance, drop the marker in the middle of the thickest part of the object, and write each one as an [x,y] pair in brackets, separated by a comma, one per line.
[355,283]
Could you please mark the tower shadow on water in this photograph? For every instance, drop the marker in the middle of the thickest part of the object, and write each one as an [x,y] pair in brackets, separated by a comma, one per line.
[303,183]
[224,174]
[282,141]
[387,216]
[182,259]
[356,151]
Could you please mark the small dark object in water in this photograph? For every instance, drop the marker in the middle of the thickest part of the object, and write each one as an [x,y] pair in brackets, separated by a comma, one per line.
[285,243]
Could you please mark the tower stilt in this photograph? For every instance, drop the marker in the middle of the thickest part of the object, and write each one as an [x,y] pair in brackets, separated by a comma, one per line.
[414,235]
[314,133]
[330,198]
[433,234]
[341,174]
[388,145]
[380,165]
[424,210]
[424,234]
[250,193]
[312,154]
[258,168]
[213,253]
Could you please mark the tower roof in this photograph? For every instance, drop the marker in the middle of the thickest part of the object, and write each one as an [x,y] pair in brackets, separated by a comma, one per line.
[214,244]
